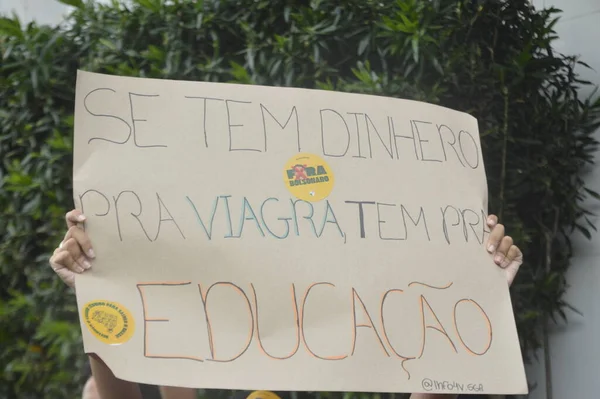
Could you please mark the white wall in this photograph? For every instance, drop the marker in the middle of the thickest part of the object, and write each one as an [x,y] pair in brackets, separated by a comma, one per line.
[43,11]
[574,347]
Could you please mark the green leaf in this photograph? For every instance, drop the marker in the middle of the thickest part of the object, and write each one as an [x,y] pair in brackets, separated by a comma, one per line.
[524,57]
[11,27]
[437,66]
[239,73]
[415,48]
[73,3]
[362,45]
[407,22]
[107,43]
[592,193]
[152,5]
[584,231]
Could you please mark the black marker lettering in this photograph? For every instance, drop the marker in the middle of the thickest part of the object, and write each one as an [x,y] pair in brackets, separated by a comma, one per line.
[135,215]
[205,115]
[380,221]
[161,206]
[356,114]
[405,213]
[230,125]
[452,144]
[473,164]
[361,217]
[134,120]
[97,214]
[484,225]
[397,136]
[421,141]
[294,111]
[388,149]
[444,221]
[323,133]
[471,212]
[106,116]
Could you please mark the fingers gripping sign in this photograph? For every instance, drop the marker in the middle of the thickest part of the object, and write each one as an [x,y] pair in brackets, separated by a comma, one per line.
[513,262]
[74,217]
[74,254]
[506,255]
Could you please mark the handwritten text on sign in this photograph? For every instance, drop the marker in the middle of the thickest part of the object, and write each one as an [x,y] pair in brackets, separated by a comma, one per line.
[285,239]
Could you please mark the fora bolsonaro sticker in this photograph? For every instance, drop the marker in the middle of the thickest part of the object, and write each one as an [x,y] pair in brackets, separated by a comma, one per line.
[308,177]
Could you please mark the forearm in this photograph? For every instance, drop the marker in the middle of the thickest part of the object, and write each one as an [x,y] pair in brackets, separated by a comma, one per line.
[109,386]
[178,393]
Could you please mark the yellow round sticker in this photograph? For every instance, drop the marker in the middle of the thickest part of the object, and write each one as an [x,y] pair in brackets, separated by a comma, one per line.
[308,177]
[109,322]
[262,395]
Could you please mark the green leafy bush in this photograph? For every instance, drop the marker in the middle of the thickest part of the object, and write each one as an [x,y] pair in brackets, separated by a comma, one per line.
[492,59]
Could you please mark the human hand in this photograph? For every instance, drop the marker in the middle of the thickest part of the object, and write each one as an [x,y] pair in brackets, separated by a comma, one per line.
[74,253]
[506,255]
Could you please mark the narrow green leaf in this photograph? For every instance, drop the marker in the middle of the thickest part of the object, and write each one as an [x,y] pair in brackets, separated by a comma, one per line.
[407,22]
[584,231]
[73,3]
[362,45]
[11,27]
[437,66]
[415,48]
[152,5]
[593,193]
[107,43]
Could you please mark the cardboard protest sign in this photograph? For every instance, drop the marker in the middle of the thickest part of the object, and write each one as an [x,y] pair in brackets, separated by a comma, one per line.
[286,239]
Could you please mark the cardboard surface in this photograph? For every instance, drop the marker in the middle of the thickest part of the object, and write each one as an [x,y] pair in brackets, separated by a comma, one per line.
[286,239]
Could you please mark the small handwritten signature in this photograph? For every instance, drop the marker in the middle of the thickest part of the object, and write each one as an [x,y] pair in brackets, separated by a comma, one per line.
[429,384]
